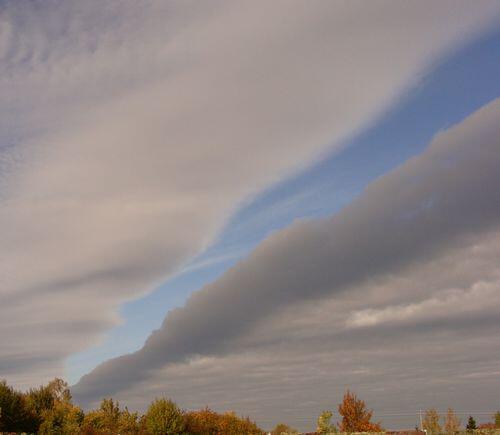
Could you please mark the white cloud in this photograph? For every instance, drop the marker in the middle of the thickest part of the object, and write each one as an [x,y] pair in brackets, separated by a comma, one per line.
[452,302]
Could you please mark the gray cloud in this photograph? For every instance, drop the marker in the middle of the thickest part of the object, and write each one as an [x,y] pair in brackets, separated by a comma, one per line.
[380,262]
[117,123]
[298,361]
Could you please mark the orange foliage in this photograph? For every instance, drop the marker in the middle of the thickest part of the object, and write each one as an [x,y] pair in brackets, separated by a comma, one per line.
[355,416]
[208,422]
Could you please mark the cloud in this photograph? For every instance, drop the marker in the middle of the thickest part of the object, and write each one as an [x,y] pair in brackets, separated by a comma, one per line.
[129,134]
[369,278]
[478,299]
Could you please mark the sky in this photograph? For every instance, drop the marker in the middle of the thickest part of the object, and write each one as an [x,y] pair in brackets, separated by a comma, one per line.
[252,206]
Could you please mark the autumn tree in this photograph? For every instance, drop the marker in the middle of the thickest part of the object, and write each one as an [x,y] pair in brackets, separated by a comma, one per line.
[164,417]
[92,423]
[46,409]
[59,390]
[15,413]
[110,419]
[451,422]
[471,423]
[496,419]
[110,414]
[40,400]
[431,421]
[284,429]
[63,419]
[204,421]
[208,422]
[128,422]
[231,424]
[324,423]
[355,416]
[57,413]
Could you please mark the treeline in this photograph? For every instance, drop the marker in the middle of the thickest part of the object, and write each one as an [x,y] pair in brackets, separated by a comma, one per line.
[49,410]
[451,423]
[356,418]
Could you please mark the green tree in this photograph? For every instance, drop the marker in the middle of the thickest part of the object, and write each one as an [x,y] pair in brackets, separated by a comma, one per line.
[431,421]
[496,418]
[471,423]
[324,424]
[164,418]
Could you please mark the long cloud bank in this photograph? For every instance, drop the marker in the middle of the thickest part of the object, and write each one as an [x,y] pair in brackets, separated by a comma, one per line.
[431,208]
[130,133]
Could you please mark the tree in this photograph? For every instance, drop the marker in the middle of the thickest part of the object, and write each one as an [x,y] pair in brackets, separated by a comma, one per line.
[324,424]
[451,422]
[59,390]
[208,422]
[15,415]
[496,417]
[40,399]
[431,421]
[204,421]
[110,414]
[471,423]
[164,418]
[109,419]
[283,429]
[231,424]
[63,419]
[55,412]
[355,416]
[128,422]
[92,422]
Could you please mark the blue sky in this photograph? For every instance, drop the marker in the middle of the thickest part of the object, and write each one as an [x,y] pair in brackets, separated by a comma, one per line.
[454,88]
